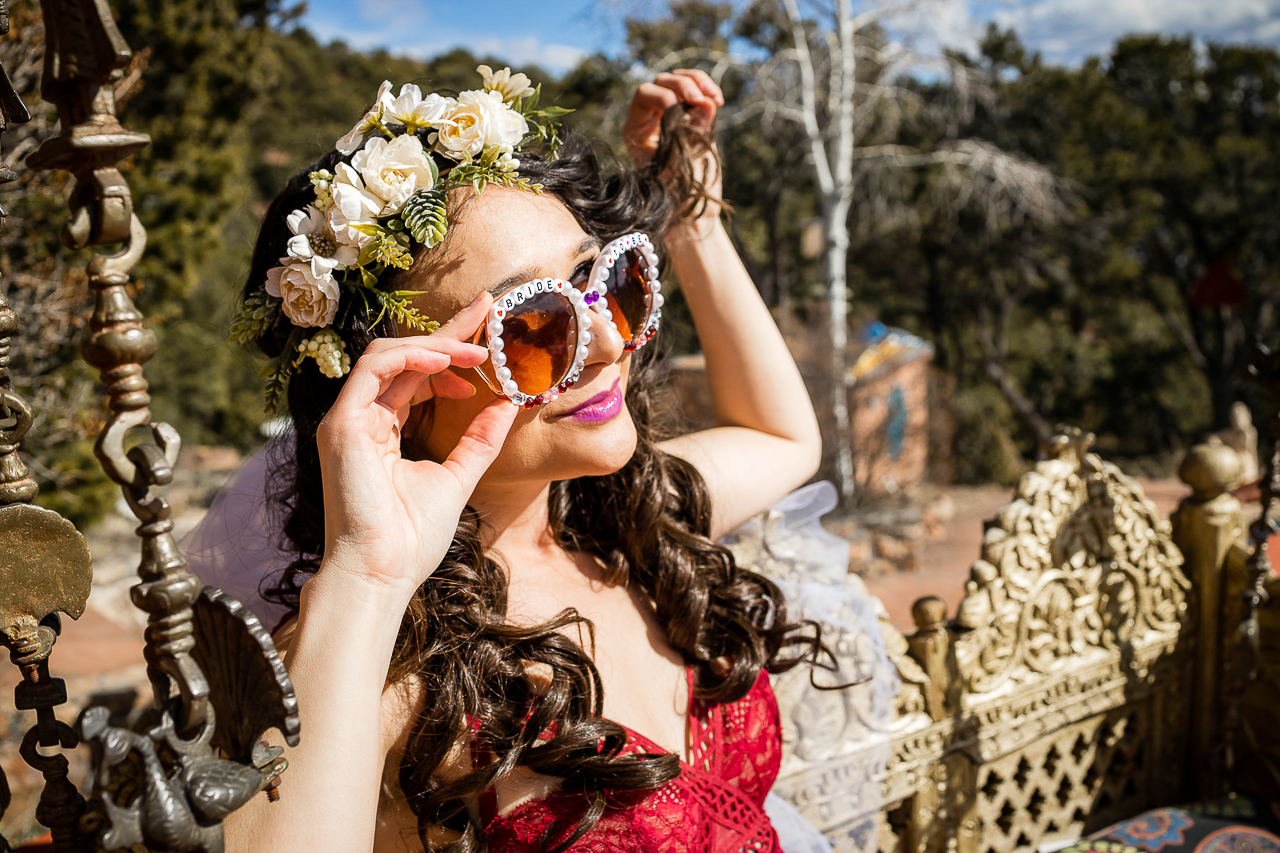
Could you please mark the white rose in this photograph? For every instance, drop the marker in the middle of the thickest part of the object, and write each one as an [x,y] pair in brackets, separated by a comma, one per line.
[313,239]
[308,291]
[478,121]
[414,111]
[356,135]
[509,86]
[394,170]
[352,205]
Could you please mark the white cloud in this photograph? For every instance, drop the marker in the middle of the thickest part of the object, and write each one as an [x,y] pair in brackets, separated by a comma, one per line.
[393,10]
[526,50]
[1067,30]
[1064,30]
[368,23]
[938,24]
[518,51]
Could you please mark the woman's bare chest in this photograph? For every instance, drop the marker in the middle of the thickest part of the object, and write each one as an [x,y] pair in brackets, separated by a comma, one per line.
[645,687]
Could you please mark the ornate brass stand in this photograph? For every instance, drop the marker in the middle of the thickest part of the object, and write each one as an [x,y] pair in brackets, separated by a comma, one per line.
[217,681]
[45,568]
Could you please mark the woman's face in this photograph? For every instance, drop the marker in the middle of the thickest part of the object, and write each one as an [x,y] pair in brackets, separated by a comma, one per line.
[503,238]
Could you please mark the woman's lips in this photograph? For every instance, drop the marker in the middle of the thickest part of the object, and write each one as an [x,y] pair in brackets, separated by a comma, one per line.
[602,407]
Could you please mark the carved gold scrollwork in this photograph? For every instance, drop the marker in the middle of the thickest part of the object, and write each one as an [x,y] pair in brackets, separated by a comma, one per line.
[1050,626]
[1078,564]
[1071,682]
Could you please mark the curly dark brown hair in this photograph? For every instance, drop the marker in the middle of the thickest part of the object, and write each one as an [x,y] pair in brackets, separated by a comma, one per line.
[647,523]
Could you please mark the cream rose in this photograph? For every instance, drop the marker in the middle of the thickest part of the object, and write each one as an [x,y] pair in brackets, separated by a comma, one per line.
[509,86]
[478,121]
[394,170]
[353,205]
[308,291]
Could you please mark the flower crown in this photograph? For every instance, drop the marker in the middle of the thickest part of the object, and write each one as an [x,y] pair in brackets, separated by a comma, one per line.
[368,214]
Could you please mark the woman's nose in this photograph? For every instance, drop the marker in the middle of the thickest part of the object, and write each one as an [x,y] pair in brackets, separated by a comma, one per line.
[606,345]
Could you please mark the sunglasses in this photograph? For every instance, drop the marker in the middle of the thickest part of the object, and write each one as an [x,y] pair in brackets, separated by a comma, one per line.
[538,333]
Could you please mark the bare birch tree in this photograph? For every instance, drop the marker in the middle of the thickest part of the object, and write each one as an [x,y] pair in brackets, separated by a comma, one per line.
[831,153]
[846,73]
[846,80]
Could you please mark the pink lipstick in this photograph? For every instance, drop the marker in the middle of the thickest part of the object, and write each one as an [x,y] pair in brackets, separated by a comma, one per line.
[602,407]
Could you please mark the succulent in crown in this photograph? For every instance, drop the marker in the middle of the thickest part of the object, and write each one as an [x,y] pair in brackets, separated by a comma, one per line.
[406,152]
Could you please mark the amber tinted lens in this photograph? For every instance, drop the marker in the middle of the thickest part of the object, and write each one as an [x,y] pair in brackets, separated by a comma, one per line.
[539,338]
[627,294]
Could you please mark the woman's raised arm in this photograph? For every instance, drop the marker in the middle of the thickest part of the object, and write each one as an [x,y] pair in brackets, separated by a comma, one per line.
[766,440]
[388,523]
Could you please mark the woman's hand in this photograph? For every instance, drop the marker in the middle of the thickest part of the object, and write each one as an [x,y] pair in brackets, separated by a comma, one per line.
[389,520]
[387,523]
[688,86]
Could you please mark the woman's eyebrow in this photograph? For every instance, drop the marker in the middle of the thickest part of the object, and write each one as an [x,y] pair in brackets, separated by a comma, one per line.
[518,277]
[521,276]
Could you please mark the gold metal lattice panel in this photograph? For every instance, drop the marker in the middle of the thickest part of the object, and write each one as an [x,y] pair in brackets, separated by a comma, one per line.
[1064,785]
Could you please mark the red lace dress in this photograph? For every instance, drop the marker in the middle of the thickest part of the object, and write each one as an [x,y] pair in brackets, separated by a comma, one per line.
[716,805]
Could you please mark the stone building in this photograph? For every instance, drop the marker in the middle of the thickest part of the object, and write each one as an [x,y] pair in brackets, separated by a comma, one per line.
[888,402]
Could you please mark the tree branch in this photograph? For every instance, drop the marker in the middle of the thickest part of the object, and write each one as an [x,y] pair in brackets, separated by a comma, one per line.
[994,367]
[808,94]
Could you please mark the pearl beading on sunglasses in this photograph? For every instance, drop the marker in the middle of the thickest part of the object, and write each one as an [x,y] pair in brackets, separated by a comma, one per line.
[511,300]
[604,265]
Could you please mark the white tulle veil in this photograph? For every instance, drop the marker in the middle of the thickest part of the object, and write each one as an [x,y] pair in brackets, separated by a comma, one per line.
[239,545]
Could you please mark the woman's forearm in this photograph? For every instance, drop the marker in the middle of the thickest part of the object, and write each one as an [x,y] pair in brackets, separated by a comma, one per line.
[761,407]
[338,658]
[753,378]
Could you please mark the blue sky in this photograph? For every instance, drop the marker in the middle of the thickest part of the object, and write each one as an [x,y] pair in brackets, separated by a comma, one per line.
[557,33]
[554,35]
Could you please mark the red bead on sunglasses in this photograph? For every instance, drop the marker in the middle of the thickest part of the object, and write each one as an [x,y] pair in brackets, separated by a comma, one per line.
[537,332]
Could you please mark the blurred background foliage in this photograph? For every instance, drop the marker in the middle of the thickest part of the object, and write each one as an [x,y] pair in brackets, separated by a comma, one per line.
[1130,316]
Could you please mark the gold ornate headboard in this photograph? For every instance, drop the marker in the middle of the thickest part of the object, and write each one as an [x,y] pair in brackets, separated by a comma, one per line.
[1055,701]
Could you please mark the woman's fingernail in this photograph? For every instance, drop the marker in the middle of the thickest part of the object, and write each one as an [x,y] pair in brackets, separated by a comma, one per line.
[479,298]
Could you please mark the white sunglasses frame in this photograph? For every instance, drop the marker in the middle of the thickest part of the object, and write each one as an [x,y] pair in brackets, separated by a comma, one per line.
[582,304]
[508,302]
[599,278]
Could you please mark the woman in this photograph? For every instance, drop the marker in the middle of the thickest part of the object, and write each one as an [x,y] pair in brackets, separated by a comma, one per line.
[555,566]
